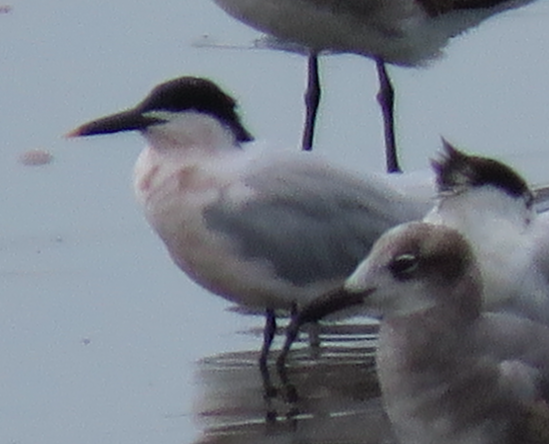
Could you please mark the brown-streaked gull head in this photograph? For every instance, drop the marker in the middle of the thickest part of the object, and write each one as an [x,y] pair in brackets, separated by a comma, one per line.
[410,266]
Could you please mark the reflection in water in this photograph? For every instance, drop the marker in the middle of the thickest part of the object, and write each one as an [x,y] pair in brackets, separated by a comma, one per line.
[336,384]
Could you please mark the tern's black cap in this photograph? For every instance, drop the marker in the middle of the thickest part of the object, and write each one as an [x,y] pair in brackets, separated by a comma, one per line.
[177,95]
[456,170]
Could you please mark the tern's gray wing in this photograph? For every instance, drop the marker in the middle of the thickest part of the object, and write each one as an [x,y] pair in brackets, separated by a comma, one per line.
[311,222]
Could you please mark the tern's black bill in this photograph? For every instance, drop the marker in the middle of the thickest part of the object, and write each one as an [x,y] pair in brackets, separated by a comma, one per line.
[125,121]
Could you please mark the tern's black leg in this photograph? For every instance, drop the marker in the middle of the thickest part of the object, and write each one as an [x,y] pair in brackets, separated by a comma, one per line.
[386,99]
[268,336]
[321,307]
[312,99]
[296,321]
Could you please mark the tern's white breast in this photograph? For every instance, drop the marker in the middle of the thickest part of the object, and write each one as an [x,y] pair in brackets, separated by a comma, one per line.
[174,191]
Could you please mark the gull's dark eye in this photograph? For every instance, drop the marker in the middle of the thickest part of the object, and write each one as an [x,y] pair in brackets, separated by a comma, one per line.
[403,266]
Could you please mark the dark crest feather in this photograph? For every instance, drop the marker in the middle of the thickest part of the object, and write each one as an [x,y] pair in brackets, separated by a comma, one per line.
[195,93]
[456,171]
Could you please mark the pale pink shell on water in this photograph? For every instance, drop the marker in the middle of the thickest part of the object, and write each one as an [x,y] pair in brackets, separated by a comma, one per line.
[35,158]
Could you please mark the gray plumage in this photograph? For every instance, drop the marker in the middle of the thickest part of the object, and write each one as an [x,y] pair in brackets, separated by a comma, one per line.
[311,222]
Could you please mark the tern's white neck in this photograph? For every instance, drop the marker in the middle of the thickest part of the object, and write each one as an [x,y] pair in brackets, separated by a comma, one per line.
[184,154]
[495,224]
[190,132]
[480,210]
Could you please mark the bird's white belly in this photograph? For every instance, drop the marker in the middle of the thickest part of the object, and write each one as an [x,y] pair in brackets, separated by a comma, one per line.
[173,204]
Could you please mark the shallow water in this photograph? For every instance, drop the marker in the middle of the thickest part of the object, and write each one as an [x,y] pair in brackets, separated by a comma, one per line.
[337,394]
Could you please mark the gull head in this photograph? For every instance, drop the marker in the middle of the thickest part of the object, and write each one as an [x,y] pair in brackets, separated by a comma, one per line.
[416,267]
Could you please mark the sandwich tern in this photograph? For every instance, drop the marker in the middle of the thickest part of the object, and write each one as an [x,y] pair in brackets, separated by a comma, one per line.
[493,207]
[448,372]
[400,32]
[268,230]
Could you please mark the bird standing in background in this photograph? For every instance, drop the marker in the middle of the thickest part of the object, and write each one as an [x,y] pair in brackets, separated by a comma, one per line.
[400,32]
[269,230]
[448,373]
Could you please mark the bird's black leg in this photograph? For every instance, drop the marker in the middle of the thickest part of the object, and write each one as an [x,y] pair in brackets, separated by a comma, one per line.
[296,321]
[386,99]
[268,336]
[312,99]
[324,305]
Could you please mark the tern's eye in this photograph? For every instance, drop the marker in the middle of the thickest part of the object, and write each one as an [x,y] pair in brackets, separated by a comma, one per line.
[403,266]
